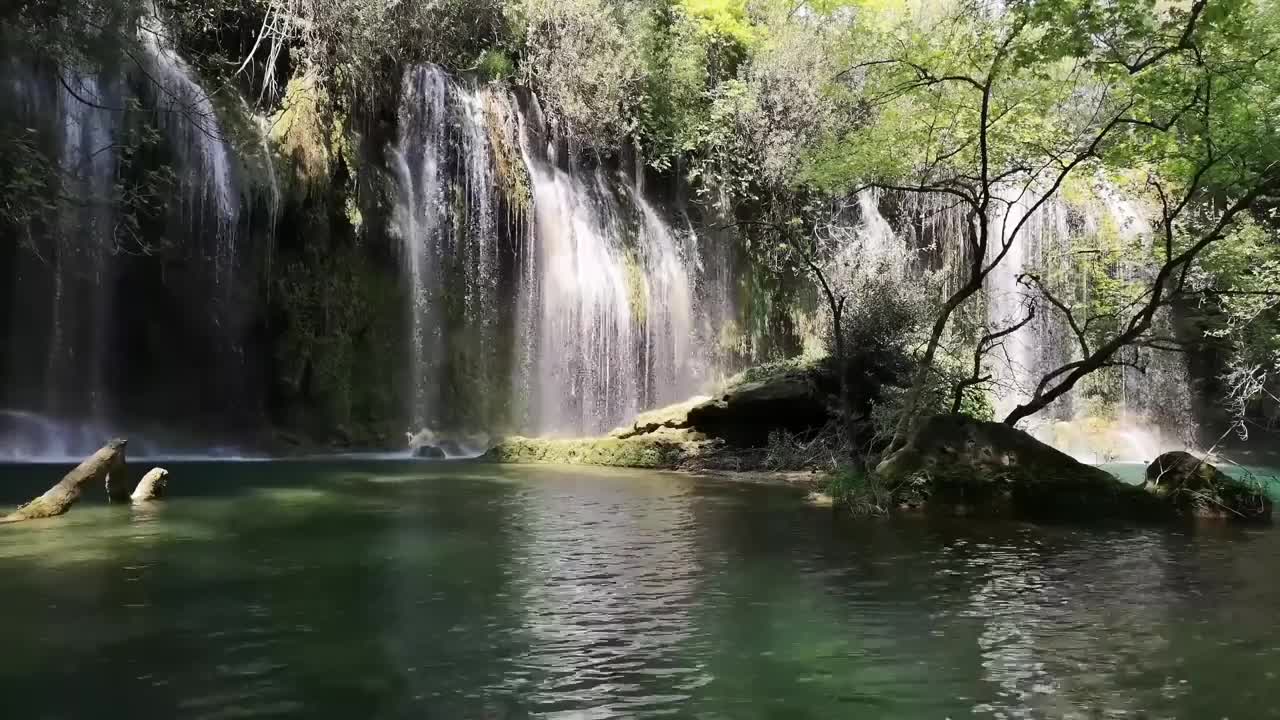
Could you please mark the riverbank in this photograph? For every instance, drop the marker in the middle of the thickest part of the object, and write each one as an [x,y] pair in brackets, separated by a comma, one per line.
[953,464]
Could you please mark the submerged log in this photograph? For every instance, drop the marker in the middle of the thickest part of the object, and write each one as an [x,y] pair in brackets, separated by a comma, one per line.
[117,481]
[152,486]
[58,499]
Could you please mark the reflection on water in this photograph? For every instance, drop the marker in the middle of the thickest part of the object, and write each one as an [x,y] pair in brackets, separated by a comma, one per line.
[607,580]
[387,590]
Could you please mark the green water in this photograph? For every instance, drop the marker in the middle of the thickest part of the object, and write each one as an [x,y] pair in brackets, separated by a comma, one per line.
[393,590]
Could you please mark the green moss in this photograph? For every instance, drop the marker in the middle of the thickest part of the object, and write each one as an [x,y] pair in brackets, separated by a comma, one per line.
[611,452]
[776,369]
[495,65]
[637,297]
[512,173]
[354,216]
[304,131]
[338,344]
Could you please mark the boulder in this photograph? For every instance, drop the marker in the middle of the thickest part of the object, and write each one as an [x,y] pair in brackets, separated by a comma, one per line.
[430,452]
[1195,487]
[152,486]
[672,417]
[747,411]
[956,462]
[107,462]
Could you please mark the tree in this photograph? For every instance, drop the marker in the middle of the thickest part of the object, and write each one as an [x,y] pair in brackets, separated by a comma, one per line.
[995,109]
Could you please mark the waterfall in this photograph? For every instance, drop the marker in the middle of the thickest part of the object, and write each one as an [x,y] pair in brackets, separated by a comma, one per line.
[83,244]
[419,215]
[582,291]
[205,159]
[73,330]
[1115,415]
[616,301]
[1036,348]
[446,217]
[592,296]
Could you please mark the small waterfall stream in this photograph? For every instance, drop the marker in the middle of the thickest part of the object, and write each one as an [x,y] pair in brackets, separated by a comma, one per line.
[206,160]
[88,117]
[1125,414]
[446,217]
[616,331]
[84,243]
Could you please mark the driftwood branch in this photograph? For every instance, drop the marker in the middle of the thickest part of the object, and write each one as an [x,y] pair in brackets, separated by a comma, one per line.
[98,468]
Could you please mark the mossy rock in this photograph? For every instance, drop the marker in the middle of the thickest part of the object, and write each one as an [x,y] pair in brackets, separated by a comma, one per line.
[954,462]
[1195,487]
[652,453]
[671,417]
[794,395]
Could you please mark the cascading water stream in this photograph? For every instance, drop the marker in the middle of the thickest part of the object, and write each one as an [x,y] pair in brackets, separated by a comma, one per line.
[86,117]
[446,217]
[617,297]
[206,161]
[1150,408]
[1023,356]
[419,215]
[605,289]
[84,243]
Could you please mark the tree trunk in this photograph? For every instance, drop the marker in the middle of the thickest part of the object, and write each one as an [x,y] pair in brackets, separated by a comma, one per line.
[911,407]
[108,461]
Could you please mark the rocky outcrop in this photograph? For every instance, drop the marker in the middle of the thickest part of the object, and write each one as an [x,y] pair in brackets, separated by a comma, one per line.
[672,417]
[152,486]
[428,452]
[957,463]
[796,400]
[107,462]
[723,432]
[954,462]
[1195,487]
[793,396]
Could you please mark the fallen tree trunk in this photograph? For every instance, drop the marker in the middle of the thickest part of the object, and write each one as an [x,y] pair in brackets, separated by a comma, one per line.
[152,486]
[58,499]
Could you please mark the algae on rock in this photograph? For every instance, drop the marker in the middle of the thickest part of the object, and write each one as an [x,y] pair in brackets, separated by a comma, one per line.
[639,452]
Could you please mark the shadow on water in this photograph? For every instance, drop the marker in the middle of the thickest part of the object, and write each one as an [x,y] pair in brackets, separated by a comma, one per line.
[405,589]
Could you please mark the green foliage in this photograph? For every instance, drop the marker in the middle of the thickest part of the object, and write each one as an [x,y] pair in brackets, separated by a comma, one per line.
[28,174]
[584,65]
[495,65]
[863,493]
[774,369]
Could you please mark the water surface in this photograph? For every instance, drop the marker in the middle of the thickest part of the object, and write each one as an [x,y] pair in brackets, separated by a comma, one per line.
[432,590]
